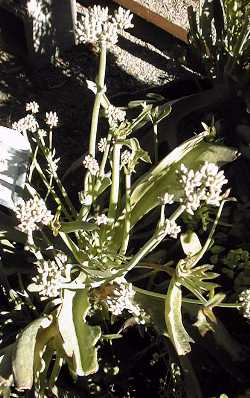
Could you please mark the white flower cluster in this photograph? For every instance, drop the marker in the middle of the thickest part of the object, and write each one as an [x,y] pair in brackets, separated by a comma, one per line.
[91,164]
[122,19]
[27,123]
[32,213]
[167,198]
[51,119]
[244,299]
[115,116]
[122,298]
[97,26]
[50,276]
[102,219]
[102,144]
[204,185]
[32,107]
[126,156]
[171,228]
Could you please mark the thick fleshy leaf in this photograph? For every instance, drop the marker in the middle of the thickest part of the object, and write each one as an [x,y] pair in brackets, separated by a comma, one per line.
[173,318]
[24,353]
[163,178]
[77,225]
[146,192]
[79,339]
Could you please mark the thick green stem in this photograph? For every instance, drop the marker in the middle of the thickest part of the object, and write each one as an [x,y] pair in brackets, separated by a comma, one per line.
[155,130]
[184,300]
[114,194]
[127,222]
[98,98]
[33,164]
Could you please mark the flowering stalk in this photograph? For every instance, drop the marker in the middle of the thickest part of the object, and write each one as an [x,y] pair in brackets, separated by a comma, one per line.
[127,222]
[98,98]
[155,131]
[50,190]
[33,164]
[48,157]
[114,194]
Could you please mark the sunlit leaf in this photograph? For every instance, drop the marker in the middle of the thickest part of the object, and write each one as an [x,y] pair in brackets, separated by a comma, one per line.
[24,353]
[79,339]
[173,317]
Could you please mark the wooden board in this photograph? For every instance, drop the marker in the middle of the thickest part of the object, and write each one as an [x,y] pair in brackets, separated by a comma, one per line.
[154,18]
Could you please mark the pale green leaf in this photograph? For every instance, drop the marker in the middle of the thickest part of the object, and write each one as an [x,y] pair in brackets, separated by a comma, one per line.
[77,225]
[24,353]
[163,178]
[79,339]
[173,318]
[146,192]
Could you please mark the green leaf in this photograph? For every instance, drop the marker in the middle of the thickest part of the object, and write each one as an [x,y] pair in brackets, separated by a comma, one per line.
[146,192]
[190,243]
[77,225]
[163,178]
[23,358]
[173,318]
[79,339]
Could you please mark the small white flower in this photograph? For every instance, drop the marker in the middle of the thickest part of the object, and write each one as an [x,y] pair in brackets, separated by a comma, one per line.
[91,164]
[167,198]
[50,275]
[126,156]
[171,228]
[204,185]
[27,123]
[122,298]
[102,144]
[97,26]
[123,19]
[244,299]
[32,107]
[51,119]
[85,200]
[115,116]
[102,219]
[32,213]
[100,13]
[42,132]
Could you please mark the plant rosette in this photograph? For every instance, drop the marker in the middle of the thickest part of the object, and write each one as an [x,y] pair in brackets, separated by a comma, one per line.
[82,253]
